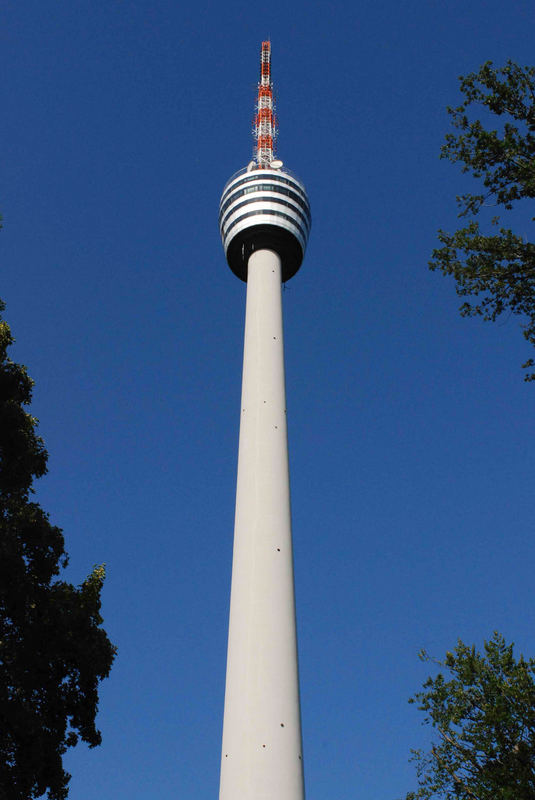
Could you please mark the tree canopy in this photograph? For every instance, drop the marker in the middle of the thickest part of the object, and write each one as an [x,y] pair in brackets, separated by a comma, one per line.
[495,266]
[483,710]
[53,650]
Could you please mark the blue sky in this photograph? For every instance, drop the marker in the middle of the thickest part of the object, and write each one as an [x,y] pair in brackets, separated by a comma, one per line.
[410,428]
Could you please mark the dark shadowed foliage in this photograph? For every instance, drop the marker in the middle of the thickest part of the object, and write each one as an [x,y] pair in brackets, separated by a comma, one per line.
[53,650]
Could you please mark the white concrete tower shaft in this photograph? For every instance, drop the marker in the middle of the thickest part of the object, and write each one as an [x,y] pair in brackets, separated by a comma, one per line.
[264,219]
[262,750]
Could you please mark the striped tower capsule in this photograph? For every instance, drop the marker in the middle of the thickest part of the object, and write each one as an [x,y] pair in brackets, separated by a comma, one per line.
[264,219]
[264,208]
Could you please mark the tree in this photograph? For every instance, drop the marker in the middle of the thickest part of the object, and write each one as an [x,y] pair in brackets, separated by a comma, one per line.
[53,650]
[497,268]
[485,719]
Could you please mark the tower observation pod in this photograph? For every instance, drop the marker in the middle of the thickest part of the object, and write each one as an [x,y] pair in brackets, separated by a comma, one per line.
[264,219]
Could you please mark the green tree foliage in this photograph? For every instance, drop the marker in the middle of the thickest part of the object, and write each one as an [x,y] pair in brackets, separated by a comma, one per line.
[53,650]
[497,267]
[483,711]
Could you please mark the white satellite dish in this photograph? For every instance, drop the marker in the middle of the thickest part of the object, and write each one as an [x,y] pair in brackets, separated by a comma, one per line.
[276,164]
[251,165]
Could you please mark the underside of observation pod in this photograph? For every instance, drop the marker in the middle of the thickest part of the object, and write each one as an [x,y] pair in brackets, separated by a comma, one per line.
[264,237]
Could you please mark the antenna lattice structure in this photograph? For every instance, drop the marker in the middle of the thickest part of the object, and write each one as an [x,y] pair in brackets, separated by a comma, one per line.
[265,124]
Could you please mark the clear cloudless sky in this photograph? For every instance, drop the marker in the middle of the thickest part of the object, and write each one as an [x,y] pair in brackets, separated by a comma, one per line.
[411,430]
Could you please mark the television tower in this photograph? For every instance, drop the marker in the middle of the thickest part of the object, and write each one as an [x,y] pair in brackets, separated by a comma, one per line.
[264,219]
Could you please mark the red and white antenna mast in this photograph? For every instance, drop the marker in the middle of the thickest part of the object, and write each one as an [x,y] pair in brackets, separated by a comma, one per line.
[265,125]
